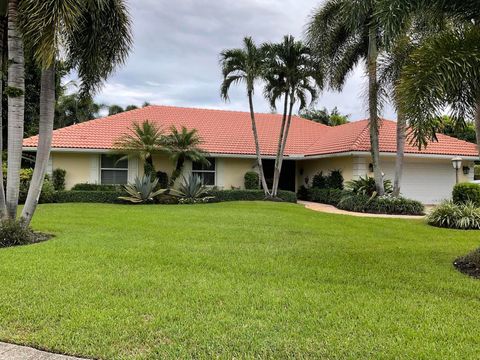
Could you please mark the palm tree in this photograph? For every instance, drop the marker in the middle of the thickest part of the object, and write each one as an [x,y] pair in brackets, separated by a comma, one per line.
[343,33]
[3,23]
[96,38]
[294,74]
[445,69]
[391,67]
[143,140]
[184,145]
[245,65]
[16,106]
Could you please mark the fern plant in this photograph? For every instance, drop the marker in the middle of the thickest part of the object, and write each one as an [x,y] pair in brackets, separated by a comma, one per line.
[142,190]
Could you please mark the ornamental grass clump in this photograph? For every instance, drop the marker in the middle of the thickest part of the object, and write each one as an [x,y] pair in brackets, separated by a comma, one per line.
[455,216]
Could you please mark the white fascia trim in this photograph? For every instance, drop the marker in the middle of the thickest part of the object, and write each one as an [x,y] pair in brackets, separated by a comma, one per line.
[72,150]
[389,154]
[291,157]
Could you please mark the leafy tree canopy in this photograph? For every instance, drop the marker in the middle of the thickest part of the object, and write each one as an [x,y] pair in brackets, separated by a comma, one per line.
[324,116]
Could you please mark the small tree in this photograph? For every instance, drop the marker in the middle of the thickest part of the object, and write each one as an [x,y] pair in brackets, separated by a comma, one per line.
[184,145]
[143,140]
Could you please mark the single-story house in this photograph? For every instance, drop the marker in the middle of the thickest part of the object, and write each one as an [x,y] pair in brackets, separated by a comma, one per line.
[85,151]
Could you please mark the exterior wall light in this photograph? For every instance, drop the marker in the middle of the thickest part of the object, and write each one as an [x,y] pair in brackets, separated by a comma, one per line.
[457,164]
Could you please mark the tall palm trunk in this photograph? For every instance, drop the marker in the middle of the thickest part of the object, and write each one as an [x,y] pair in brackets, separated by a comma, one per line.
[284,143]
[16,107]
[373,108]
[277,169]
[3,205]
[401,133]
[477,123]
[257,145]
[47,112]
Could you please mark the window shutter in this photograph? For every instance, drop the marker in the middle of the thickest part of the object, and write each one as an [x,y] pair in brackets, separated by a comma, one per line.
[94,169]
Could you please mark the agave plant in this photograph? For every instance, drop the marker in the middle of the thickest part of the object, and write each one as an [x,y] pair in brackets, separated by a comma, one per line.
[191,190]
[142,190]
[366,186]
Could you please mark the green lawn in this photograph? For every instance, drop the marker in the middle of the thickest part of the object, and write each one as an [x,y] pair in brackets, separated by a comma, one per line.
[238,280]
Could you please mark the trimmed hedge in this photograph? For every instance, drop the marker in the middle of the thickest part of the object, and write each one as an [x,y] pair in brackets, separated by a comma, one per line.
[84,196]
[381,205]
[249,195]
[325,196]
[466,192]
[95,187]
[112,196]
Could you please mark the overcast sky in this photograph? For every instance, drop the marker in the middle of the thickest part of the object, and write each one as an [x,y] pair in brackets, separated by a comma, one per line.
[176,50]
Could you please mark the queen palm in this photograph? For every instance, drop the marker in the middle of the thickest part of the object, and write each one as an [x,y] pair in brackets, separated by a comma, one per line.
[245,65]
[95,36]
[344,33]
[184,145]
[292,73]
[143,140]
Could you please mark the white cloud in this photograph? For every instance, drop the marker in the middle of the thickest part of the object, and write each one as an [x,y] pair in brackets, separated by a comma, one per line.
[177,44]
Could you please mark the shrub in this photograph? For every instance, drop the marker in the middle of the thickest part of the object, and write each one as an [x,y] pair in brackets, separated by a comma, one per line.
[319,181]
[366,186]
[380,204]
[466,192]
[58,179]
[303,193]
[96,187]
[455,216]
[48,192]
[250,195]
[13,233]
[83,196]
[162,179]
[469,264]
[251,180]
[334,180]
[325,196]
[142,190]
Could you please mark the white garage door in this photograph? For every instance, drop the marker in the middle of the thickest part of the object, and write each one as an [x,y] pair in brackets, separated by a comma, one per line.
[429,183]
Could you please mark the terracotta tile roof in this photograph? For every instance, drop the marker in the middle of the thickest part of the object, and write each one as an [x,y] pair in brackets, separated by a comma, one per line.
[229,132]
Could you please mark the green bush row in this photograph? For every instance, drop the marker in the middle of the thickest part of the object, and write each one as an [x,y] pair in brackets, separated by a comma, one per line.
[380,205]
[95,187]
[325,196]
[73,196]
[241,195]
[112,196]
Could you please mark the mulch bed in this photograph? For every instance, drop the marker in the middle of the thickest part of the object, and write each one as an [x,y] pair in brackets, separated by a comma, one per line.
[469,264]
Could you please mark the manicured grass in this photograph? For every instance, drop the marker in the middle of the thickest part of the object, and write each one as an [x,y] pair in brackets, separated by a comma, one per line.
[238,280]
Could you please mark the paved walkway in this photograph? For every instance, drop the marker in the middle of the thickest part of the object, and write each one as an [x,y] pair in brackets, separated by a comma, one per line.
[17,352]
[333,210]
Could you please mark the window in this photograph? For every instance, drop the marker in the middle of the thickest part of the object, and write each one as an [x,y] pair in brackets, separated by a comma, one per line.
[113,171]
[205,172]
